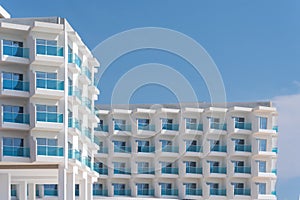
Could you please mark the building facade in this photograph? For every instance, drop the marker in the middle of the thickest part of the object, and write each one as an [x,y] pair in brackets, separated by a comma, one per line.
[188,151]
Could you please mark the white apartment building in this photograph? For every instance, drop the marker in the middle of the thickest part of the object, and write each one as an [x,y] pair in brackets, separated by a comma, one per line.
[47,119]
[187,151]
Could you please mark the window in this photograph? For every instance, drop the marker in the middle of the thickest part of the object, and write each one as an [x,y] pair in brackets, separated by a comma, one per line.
[46,142]
[142,186]
[191,164]
[239,141]
[97,186]
[46,108]
[262,165]
[143,165]
[166,164]
[190,186]
[214,163]
[143,122]
[48,47]
[191,123]
[14,48]
[14,81]
[142,143]
[214,185]
[239,122]
[47,80]
[13,142]
[50,190]
[262,144]
[165,143]
[13,109]
[118,186]
[166,186]
[190,143]
[14,114]
[214,123]
[119,144]
[263,122]
[261,188]
[120,124]
[238,163]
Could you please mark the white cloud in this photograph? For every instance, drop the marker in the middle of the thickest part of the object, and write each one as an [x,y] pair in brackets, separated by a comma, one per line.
[289,135]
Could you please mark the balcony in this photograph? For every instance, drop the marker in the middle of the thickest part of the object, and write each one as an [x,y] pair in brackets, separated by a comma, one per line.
[242,191]
[15,51]
[244,148]
[196,127]
[243,170]
[146,127]
[49,117]
[122,127]
[146,170]
[87,103]
[170,127]
[194,148]
[19,118]
[218,192]
[121,170]
[101,171]
[87,73]
[219,148]
[120,192]
[146,149]
[145,192]
[74,123]
[218,170]
[193,192]
[87,162]
[74,58]
[274,171]
[171,149]
[243,125]
[218,126]
[49,50]
[169,170]
[122,149]
[275,150]
[100,192]
[87,133]
[50,84]
[193,170]
[74,94]
[50,151]
[74,154]
[16,151]
[103,150]
[50,192]
[102,128]
[15,85]
[169,192]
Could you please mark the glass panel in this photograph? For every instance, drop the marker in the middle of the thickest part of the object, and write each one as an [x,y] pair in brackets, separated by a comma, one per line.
[41,141]
[52,142]
[41,108]
[7,75]
[7,141]
[262,166]
[263,122]
[262,188]
[40,41]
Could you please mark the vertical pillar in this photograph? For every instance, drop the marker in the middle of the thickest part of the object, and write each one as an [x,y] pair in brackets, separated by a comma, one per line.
[5,187]
[62,184]
[71,186]
[83,189]
[31,191]
[22,193]
[90,189]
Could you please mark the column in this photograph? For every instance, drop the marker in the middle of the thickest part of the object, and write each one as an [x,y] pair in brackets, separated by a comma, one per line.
[90,189]
[70,186]
[22,193]
[31,191]
[83,189]
[62,184]
[5,187]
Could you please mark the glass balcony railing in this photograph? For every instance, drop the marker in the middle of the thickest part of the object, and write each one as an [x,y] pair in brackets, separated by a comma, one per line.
[243,125]
[171,149]
[19,118]
[50,150]
[122,127]
[170,127]
[74,58]
[245,148]
[87,133]
[145,192]
[50,84]
[121,170]
[219,192]
[87,102]
[100,192]
[197,127]
[87,72]
[193,191]
[15,85]
[275,150]
[193,170]
[146,149]
[275,128]
[87,162]
[169,192]
[169,170]
[103,128]
[122,149]
[74,123]
[242,191]
[74,154]
[13,192]
[102,171]
[194,148]
[50,192]
[219,148]
[74,91]
[16,51]
[49,50]
[16,151]
[146,127]
[122,192]
[96,140]
[218,170]
[274,171]
[146,170]
[218,126]
[274,193]
[103,150]
[242,169]
[49,117]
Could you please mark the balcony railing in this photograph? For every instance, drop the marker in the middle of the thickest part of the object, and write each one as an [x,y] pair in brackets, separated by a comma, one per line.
[50,192]
[194,192]
[245,148]
[74,91]
[87,102]
[100,192]
[74,123]
[169,192]
[87,132]
[197,127]
[122,149]
[19,118]
[50,150]
[219,148]
[146,127]
[145,192]
[193,170]
[74,154]
[219,192]
[16,151]
[194,148]
[169,170]
[122,127]
[87,162]
[171,149]
[49,117]
[103,128]
[275,128]
[170,127]
[274,171]
[120,192]
[74,58]
[243,170]
[15,85]
[13,192]
[275,150]
[103,150]
[102,171]
[242,191]
[50,84]
[146,170]
[87,72]
[218,170]
[49,50]
[16,51]
[146,149]
[121,170]
[218,126]
[243,125]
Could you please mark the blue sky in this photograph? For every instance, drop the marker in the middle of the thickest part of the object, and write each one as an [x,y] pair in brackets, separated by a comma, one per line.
[254,43]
